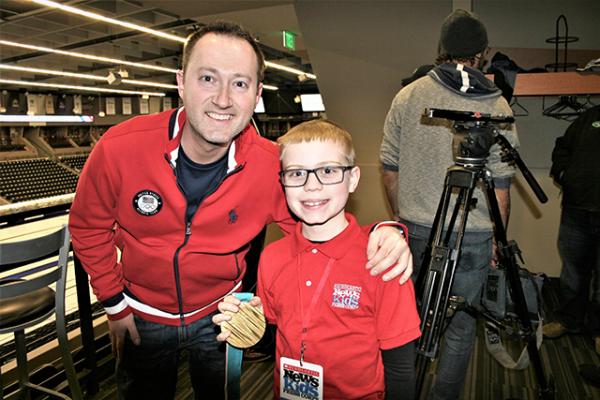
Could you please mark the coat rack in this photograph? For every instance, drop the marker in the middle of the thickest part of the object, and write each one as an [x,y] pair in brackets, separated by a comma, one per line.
[567,108]
[557,39]
[518,109]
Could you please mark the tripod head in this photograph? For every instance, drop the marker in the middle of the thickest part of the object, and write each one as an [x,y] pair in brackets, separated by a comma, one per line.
[474,134]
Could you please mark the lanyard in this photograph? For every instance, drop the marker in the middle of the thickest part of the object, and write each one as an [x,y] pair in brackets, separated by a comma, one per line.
[233,362]
[307,317]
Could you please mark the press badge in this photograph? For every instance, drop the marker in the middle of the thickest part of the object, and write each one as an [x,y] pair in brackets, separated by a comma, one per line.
[300,382]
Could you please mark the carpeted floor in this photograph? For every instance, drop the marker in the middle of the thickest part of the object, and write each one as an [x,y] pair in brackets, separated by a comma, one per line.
[488,380]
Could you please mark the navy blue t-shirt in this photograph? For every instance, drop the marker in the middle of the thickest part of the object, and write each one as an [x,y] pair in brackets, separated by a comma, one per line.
[198,180]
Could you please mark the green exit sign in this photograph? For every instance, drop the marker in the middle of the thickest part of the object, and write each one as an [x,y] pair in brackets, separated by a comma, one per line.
[289,40]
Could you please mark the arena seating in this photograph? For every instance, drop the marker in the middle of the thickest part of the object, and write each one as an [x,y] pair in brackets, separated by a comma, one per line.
[76,162]
[22,180]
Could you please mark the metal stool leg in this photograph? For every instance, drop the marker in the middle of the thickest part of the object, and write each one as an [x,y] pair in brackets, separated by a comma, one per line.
[63,343]
[21,351]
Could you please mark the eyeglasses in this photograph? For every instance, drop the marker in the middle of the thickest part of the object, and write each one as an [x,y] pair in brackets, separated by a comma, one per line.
[328,175]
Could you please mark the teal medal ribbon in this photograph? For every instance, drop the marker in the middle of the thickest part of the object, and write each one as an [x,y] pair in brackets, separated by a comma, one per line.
[234,361]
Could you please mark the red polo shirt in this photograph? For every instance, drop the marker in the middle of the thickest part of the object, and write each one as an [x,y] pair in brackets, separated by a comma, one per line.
[354,317]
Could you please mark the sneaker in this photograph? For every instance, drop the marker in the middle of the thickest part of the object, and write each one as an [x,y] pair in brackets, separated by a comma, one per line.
[554,330]
[590,372]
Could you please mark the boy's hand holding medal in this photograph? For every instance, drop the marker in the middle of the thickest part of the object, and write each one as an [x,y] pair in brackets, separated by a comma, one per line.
[242,323]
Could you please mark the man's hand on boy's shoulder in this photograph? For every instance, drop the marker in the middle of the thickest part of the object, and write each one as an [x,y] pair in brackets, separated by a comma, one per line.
[388,252]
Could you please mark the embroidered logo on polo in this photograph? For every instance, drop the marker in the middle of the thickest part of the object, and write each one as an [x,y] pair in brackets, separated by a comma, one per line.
[233,217]
[147,202]
[346,296]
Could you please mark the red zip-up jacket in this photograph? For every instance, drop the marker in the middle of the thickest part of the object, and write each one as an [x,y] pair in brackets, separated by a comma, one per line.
[128,198]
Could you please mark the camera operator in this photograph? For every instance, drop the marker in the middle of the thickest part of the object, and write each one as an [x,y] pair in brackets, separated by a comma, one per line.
[415,157]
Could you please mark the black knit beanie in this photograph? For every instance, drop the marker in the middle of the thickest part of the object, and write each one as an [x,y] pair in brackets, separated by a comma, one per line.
[463,35]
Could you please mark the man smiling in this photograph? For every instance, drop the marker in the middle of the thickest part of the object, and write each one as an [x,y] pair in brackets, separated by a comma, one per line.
[181,194]
[223,98]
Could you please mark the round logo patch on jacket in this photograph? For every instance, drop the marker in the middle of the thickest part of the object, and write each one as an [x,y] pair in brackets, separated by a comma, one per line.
[147,202]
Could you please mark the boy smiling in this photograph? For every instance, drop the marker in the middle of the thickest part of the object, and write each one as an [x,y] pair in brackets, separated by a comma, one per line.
[341,334]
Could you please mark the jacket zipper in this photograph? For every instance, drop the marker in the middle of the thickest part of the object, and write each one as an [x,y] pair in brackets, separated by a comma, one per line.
[188,233]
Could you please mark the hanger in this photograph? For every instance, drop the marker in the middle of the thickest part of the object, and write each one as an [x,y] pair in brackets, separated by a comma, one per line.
[588,102]
[567,108]
[518,109]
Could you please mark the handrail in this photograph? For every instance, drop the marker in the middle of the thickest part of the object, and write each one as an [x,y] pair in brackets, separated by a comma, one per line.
[36,204]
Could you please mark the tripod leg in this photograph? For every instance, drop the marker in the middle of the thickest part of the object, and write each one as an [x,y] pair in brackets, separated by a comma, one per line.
[421,366]
[434,238]
[441,267]
[508,260]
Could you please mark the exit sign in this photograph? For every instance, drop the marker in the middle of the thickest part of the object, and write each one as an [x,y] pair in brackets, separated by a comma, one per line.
[289,40]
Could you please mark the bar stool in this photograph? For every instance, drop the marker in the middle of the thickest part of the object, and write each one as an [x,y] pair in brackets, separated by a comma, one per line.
[27,302]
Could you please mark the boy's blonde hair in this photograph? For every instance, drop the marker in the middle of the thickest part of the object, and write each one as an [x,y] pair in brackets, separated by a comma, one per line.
[321,130]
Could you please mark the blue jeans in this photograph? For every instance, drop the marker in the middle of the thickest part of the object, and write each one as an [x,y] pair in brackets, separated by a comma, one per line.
[579,247]
[459,337]
[149,371]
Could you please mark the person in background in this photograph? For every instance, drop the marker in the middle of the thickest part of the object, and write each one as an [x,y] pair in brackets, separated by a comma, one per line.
[181,194]
[415,154]
[576,169]
[328,310]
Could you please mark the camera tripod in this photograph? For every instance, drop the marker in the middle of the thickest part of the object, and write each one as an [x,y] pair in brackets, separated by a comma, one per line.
[474,135]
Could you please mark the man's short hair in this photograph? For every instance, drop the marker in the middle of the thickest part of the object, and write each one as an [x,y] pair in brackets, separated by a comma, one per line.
[225,28]
[319,130]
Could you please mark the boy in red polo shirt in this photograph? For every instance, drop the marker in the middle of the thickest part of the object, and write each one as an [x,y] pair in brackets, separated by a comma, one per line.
[341,334]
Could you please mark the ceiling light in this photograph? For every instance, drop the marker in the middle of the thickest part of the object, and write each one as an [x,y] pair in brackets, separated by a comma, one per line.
[88,56]
[98,77]
[52,72]
[94,77]
[85,88]
[149,31]
[46,118]
[149,83]
[84,76]
[289,69]
[113,21]
[269,64]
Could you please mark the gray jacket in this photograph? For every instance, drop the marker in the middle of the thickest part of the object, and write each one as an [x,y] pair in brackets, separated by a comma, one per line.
[419,148]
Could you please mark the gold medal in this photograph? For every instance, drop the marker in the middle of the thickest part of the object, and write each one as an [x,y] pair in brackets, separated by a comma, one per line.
[246,326]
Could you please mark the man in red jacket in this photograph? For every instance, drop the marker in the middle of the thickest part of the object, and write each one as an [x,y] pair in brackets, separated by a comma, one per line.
[181,194]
